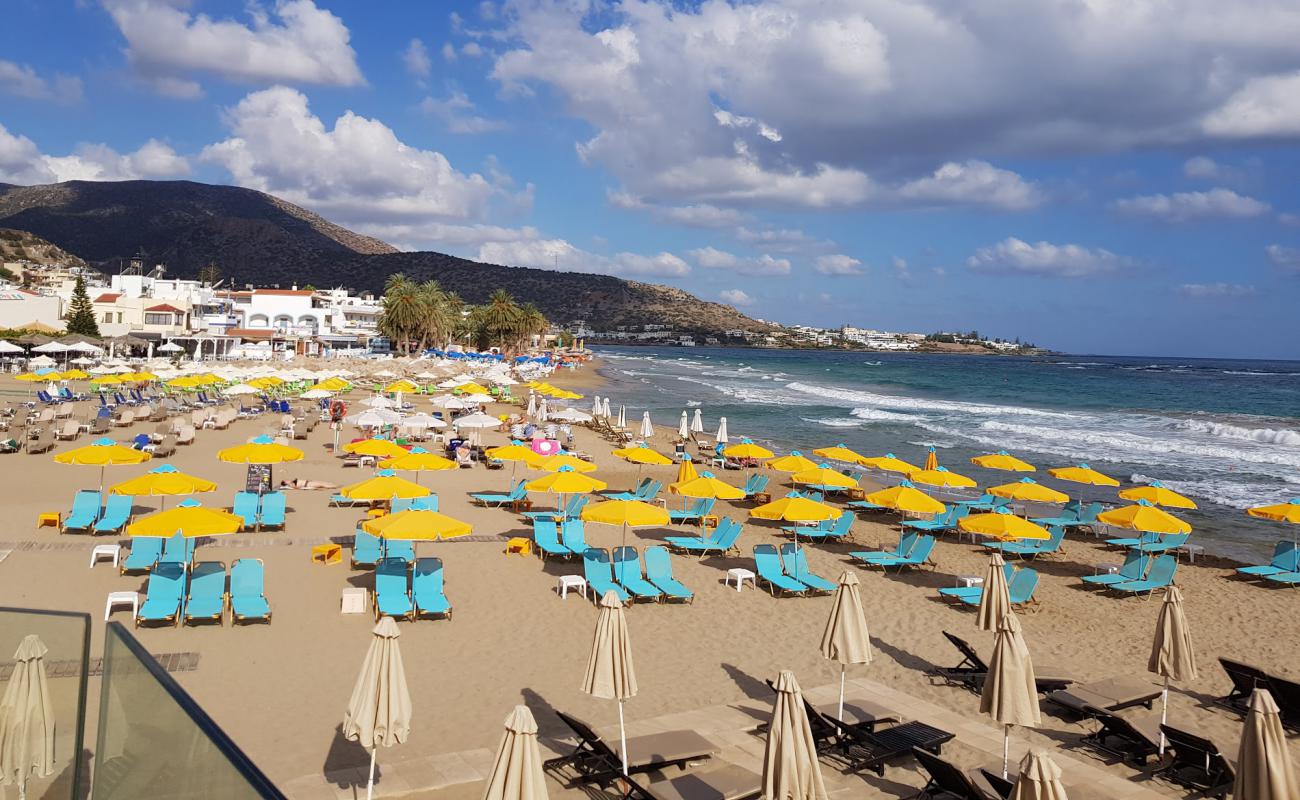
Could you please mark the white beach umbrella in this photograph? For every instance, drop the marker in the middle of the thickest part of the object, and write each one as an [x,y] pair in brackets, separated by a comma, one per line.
[532,405]
[374,418]
[604,411]
[684,427]
[41,361]
[9,347]
[314,394]
[170,347]
[50,347]
[722,431]
[83,361]
[241,388]
[572,415]
[647,427]
[543,410]
[595,407]
[622,416]
[385,373]
[476,421]
[377,402]
[423,421]
[610,674]
[697,422]
[846,638]
[379,712]
[84,347]
[27,718]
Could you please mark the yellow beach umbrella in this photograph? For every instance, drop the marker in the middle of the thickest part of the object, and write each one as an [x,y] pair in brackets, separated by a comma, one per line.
[565,481]
[331,385]
[795,509]
[839,452]
[564,460]
[1145,517]
[686,470]
[163,480]
[940,476]
[1157,494]
[747,449]
[418,460]
[1029,489]
[1002,524]
[643,455]
[472,388]
[1082,473]
[29,377]
[931,460]
[384,486]
[189,519]
[143,376]
[402,386]
[515,452]
[417,525]
[103,453]
[75,375]
[1004,461]
[824,476]
[102,380]
[889,463]
[795,462]
[705,485]
[1281,512]
[627,513]
[906,498]
[262,450]
[380,448]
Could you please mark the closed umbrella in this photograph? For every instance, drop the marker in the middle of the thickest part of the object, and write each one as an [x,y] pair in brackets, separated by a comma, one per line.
[379,712]
[931,460]
[697,422]
[542,411]
[622,417]
[26,719]
[647,428]
[1264,769]
[596,408]
[684,427]
[1009,695]
[995,599]
[517,771]
[610,674]
[1039,779]
[604,411]
[722,431]
[846,639]
[1172,654]
[791,770]
[532,405]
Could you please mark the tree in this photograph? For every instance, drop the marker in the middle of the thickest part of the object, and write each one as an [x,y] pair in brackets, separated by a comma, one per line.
[210,274]
[81,314]
[402,312]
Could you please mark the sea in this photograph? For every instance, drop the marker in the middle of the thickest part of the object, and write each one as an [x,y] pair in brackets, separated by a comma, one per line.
[1226,433]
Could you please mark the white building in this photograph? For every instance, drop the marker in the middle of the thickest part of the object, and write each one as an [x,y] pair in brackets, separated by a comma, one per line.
[20,308]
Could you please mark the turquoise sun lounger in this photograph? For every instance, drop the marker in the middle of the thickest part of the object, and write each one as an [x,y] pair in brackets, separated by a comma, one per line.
[366,550]
[795,560]
[627,571]
[164,595]
[659,571]
[546,536]
[516,493]
[722,540]
[958,592]
[245,506]
[917,556]
[574,535]
[700,509]
[1134,568]
[399,548]
[85,510]
[1033,547]
[144,553]
[905,544]
[427,589]
[392,595]
[248,592]
[767,563]
[1160,576]
[1286,558]
[205,600]
[177,550]
[117,512]
[1020,589]
[272,511]
[599,573]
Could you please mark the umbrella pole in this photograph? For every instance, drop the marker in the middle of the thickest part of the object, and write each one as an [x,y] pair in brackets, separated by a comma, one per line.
[622,737]
[1006,749]
[370,784]
[1164,714]
[842,670]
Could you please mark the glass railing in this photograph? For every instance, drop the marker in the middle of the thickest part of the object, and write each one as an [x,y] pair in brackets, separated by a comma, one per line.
[44,663]
[154,740]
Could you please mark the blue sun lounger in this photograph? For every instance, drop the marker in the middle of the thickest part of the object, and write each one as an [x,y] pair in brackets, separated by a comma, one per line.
[1072,516]
[178,551]
[117,512]
[700,509]
[205,599]
[756,484]
[795,561]
[367,550]
[1032,547]
[163,596]
[427,589]
[1160,576]
[1020,589]
[722,540]
[837,528]
[271,513]
[516,493]
[600,575]
[627,571]
[245,506]
[985,503]
[248,592]
[659,571]
[392,595]
[1286,558]
[427,503]
[1288,578]
[85,511]
[398,548]
[767,563]
[1129,542]
[144,553]
[574,535]
[958,592]
[1134,568]
[1167,542]
[546,535]
[874,557]
[947,521]
[644,491]
[917,556]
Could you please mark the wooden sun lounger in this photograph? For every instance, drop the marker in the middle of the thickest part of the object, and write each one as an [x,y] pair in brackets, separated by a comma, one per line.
[730,782]
[595,761]
[1111,694]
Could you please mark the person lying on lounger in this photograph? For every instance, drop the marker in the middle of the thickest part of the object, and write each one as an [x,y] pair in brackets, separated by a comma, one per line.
[304,483]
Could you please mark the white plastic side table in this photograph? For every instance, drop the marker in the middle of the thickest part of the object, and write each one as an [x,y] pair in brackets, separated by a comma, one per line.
[575,582]
[112,551]
[740,575]
[121,599]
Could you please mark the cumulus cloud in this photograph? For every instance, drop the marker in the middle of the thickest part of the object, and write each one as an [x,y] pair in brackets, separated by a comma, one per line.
[1202,167]
[1185,206]
[697,215]
[713,258]
[784,240]
[1284,258]
[456,112]
[736,297]
[973,183]
[1265,107]
[20,80]
[1012,256]
[837,264]
[416,59]
[292,41]
[559,254]
[22,162]
[1203,291]
[357,172]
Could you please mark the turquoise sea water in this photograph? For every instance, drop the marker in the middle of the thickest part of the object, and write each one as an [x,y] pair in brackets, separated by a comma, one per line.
[1226,433]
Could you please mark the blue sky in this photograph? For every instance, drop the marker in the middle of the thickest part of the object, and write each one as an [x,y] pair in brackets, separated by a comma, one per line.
[1107,177]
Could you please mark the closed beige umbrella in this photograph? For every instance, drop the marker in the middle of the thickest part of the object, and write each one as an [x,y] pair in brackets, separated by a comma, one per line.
[995,600]
[790,767]
[846,639]
[379,713]
[609,669]
[1264,768]
[1172,654]
[1009,695]
[27,719]
[517,772]
[1040,779]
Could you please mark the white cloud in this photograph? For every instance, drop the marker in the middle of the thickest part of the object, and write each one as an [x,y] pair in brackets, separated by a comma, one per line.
[21,80]
[973,183]
[416,59]
[293,41]
[21,161]
[1285,258]
[471,49]
[784,240]
[1203,291]
[1265,107]
[448,51]
[1184,206]
[1015,257]
[736,297]
[901,269]
[713,258]
[559,254]
[728,120]
[457,114]
[356,173]
[1202,167]
[698,215]
[838,264]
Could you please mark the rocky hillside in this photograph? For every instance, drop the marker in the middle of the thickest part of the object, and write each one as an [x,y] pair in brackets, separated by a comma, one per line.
[256,238]
[25,246]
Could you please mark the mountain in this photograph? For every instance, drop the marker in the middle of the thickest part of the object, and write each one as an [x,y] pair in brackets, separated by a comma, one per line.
[25,246]
[257,238]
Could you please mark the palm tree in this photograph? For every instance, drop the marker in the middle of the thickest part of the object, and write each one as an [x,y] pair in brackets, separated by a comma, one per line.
[403,311]
[438,321]
[534,323]
[500,320]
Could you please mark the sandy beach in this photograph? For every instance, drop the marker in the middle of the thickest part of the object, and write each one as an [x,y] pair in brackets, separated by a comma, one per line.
[279,690]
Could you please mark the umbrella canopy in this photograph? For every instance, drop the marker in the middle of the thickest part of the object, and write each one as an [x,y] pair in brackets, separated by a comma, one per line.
[163,480]
[889,463]
[422,420]
[1157,494]
[795,462]
[686,469]
[931,461]
[747,449]
[1039,779]
[27,718]
[378,401]
[995,599]
[384,486]
[824,476]
[417,459]
[1082,473]
[839,452]
[643,455]
[697,422]
[315,394]
[566,481]
[103,453]
[1172,655]
[705,485]
[795,509]
[240,389]
[632,513]
[610,674]
[721,438]
[189,519]
[517,770]
[7,346]
[558,462]
[940,476]
[477,420]
[515,452]
[845,638]
[571,415]
[379,711]
[1282,512]
[1029,489]
[1004,461]
[906,498]
[1010,695]
[382,448]
[417,525]
[647,427]
[791,770]
[684,426]
[1264,768]
[1002,524]
[1144,517]
[262,450]
[374,418]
